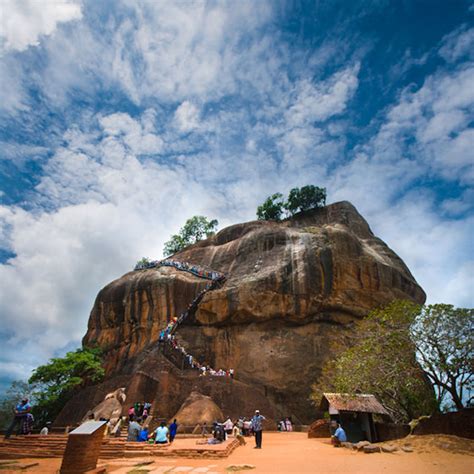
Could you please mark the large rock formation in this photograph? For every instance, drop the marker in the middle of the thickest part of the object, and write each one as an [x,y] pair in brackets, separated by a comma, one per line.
[292,287]
[198,409]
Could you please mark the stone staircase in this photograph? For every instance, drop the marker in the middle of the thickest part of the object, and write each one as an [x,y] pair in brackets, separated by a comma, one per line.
[53,446]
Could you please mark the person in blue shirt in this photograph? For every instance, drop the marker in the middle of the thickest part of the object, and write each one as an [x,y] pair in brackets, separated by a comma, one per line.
[143,435]
[21,410]
[173,429]
[339,436]
[257,428]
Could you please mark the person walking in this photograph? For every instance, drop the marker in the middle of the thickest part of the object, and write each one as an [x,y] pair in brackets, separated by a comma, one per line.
[20,412]
[172,430]
[257,428]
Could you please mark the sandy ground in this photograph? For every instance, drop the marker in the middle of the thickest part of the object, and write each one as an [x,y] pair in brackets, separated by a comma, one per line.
[295,453]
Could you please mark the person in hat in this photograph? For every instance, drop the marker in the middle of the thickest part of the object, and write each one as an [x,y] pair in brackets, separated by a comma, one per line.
[20,412]
[257,428]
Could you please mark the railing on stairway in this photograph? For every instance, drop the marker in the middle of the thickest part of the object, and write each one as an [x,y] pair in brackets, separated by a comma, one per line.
[168,345]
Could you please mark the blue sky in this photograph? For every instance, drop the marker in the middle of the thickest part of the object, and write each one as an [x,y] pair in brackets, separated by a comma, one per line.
[120,119]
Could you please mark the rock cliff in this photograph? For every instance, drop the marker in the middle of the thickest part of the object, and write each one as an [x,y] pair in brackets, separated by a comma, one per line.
[292,287]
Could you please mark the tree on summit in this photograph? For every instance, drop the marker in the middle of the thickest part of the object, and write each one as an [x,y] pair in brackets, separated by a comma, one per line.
[299,199]
[195,229]
[272,208]
[305,198]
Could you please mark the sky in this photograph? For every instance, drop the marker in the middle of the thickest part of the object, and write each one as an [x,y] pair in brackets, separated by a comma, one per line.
[121,119]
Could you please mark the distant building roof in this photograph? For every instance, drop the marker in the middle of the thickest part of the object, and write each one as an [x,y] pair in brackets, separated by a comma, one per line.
[362,403]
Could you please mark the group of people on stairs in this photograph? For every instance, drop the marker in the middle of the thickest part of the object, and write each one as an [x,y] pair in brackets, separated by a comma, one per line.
[167,336]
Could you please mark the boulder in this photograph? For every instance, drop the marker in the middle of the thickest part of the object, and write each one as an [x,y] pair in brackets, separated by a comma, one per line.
[319,429]
[198,409]
[388,448]
[371,448]
[407,449]
[348,445]
[292,288]
[361,445]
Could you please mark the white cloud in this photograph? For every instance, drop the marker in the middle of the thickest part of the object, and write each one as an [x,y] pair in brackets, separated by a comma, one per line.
[187,117]
[457,44]
[316,102]
[22,23]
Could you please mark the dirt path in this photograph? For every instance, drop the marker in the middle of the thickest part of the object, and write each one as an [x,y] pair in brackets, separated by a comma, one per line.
[295,453]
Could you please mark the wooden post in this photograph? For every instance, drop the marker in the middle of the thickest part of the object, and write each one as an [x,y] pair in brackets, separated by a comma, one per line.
[83,448]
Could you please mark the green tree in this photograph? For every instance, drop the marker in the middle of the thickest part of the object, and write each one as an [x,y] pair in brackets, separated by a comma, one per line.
[57,381]
[195,229]
[305,198]
[443,336]
[379,358]
[272,208]
[15,393]
[142,263]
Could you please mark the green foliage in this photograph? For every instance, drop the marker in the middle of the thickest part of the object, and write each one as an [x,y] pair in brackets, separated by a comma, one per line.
[445,348]
[15,393]
[57,381]
[305,198]
[380,359]
[272,208]
[194,230]
[299,199]
[142,262]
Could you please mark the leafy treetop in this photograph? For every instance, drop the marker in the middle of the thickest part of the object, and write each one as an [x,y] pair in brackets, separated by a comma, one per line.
[55,382]
[299,199]
[194,230]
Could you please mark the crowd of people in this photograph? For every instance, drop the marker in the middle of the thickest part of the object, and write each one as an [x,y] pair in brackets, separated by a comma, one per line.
[138,431]
[167,337]
[182,266]
[139,410]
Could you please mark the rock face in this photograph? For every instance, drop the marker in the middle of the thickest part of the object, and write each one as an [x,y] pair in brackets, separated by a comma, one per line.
[198,409]
[292,287]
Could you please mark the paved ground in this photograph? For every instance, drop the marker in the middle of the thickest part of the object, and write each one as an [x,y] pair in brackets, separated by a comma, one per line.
[295,453]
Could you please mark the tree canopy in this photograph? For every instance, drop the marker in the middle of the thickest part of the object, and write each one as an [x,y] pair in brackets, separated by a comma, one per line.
[445,350]
[379,358]
[414,359]
[55,382]
[272,208]
[299,199]
[305,198]
[195,229]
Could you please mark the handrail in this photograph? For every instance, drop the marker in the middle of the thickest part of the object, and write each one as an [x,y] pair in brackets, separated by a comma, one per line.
[170,348]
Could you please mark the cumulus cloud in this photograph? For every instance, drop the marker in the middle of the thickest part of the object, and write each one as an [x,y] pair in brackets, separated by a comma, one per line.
[186,117]
[24,22]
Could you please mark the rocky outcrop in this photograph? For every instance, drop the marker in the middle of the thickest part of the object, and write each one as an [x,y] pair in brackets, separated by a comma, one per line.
[292,287]
[198,409]
[319,429]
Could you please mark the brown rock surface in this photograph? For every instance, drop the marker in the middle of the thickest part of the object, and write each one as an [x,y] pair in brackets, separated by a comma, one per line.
[319,429]
[198,409]
[292,288]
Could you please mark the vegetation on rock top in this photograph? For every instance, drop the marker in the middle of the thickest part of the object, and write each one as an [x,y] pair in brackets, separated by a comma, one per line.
[299,200]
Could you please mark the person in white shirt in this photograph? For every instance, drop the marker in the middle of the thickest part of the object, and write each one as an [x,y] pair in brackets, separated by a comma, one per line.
[45,430]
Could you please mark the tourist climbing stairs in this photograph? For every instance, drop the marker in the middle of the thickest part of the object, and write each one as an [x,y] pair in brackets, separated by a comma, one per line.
[167,342]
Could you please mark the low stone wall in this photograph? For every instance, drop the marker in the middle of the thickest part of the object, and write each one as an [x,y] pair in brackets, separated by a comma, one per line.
[389,431]
[459,423]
